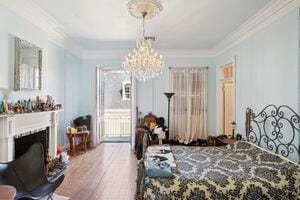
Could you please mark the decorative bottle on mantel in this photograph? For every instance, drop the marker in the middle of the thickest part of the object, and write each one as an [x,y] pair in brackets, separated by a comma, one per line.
[29,105]
[37,104]
[18,107]
[24,106]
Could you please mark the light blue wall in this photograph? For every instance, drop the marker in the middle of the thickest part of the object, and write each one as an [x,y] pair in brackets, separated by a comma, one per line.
[267,71]
[267,68]
[60,68]
[11,25]
[87,88]
[87,97]
[150,97]
[63,80]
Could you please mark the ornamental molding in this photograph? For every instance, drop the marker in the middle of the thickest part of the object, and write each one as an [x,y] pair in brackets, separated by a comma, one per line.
[58,34]
[263,18]
[167,53]
[33,13]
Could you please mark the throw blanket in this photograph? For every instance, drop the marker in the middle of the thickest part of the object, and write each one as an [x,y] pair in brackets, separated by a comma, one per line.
[158,169]
[238,171]
[158,161]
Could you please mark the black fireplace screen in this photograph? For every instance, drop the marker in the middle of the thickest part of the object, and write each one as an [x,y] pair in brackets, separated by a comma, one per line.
[22,144]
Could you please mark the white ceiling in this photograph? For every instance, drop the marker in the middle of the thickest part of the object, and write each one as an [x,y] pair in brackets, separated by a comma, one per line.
[183,24]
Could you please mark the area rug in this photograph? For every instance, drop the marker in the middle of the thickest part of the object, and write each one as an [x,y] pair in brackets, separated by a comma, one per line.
[57,197]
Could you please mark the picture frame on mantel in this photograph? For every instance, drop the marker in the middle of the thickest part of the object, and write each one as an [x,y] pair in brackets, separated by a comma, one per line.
[28,66]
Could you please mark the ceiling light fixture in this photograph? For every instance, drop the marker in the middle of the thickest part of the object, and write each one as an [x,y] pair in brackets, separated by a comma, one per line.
[143,62]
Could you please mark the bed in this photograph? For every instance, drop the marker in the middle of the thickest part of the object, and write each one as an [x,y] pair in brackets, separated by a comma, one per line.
[265,166]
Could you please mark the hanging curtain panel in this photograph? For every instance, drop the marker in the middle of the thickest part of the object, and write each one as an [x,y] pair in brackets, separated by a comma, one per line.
[188,120]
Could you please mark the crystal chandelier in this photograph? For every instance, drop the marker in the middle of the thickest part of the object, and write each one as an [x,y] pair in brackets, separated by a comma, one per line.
[143,62]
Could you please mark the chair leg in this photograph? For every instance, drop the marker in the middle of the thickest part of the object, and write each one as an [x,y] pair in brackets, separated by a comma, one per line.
[50,196]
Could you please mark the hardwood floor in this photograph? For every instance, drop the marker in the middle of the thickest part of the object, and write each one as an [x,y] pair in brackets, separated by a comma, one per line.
[106,172]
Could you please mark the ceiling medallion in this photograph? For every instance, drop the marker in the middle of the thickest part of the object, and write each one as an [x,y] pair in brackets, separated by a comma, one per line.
[137,7]
[143,62]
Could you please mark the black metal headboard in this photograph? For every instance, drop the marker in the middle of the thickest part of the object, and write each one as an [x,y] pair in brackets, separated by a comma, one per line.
[276,129]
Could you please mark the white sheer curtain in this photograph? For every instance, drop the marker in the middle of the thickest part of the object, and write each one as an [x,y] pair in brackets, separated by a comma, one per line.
[188,120]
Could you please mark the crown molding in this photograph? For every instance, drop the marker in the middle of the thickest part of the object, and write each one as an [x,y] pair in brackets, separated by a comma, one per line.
[104,54]
[264,17]
[58,34]
[187,53]
[167,53]
[30,11]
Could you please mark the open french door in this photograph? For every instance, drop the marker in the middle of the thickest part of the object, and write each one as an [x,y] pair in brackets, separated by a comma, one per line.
[133,105]
[100,85]
[226,97]
[102,127]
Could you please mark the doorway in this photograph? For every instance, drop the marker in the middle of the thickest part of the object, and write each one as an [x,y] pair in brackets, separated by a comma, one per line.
[226,98]
[113,106]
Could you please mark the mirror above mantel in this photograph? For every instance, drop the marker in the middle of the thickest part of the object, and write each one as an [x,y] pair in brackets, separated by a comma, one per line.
[28,66]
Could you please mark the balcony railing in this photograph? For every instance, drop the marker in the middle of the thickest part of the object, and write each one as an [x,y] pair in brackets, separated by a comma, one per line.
[117,123]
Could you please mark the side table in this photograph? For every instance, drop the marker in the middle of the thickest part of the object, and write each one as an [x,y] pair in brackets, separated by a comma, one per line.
[83,136]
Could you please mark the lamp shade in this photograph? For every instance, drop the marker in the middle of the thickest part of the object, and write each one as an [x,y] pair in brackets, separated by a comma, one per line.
[169,94]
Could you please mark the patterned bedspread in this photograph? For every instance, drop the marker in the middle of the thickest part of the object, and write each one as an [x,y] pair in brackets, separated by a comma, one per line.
[237,171]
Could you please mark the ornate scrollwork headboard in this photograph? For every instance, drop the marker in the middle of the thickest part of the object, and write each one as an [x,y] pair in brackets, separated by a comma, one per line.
[275,129]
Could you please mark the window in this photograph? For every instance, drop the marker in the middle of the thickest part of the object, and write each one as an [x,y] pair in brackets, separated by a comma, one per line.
[189,104]
[126,90]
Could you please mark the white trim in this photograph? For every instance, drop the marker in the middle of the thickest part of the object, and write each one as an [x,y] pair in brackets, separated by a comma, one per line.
[118,71]
[264,17]
[187,53]
[58,34]
[104,54]
[167,53]
[133,110]
[96,138]
[20,124]
[233,62]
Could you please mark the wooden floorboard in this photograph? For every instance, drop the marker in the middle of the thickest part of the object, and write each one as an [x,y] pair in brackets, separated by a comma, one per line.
[106,172]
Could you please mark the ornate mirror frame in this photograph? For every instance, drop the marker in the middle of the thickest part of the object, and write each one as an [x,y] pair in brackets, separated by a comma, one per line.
[19,44]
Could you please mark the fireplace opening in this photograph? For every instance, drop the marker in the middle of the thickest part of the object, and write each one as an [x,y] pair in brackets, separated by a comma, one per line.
[24,142]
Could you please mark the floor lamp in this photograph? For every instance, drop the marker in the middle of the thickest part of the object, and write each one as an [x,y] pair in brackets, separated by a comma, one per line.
[169,96]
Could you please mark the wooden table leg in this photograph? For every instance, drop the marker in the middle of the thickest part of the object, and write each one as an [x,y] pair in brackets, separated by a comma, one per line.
[82,145]
[82,142]
[73,145]
[85,142]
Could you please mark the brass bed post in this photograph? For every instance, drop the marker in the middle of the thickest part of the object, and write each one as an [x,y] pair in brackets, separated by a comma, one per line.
[248,121]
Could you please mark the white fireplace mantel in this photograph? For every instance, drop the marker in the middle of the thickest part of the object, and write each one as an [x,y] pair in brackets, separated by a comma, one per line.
[17,124]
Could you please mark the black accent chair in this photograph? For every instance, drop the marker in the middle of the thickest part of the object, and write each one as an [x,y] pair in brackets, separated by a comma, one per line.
[28,175]
[83,121]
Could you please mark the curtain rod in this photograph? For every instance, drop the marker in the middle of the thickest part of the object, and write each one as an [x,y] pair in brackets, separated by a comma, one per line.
[188,67]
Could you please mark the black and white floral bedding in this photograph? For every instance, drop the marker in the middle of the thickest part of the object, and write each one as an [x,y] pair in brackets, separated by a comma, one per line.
[238,171]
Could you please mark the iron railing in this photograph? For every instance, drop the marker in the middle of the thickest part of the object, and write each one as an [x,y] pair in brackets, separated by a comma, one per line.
[117,123]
